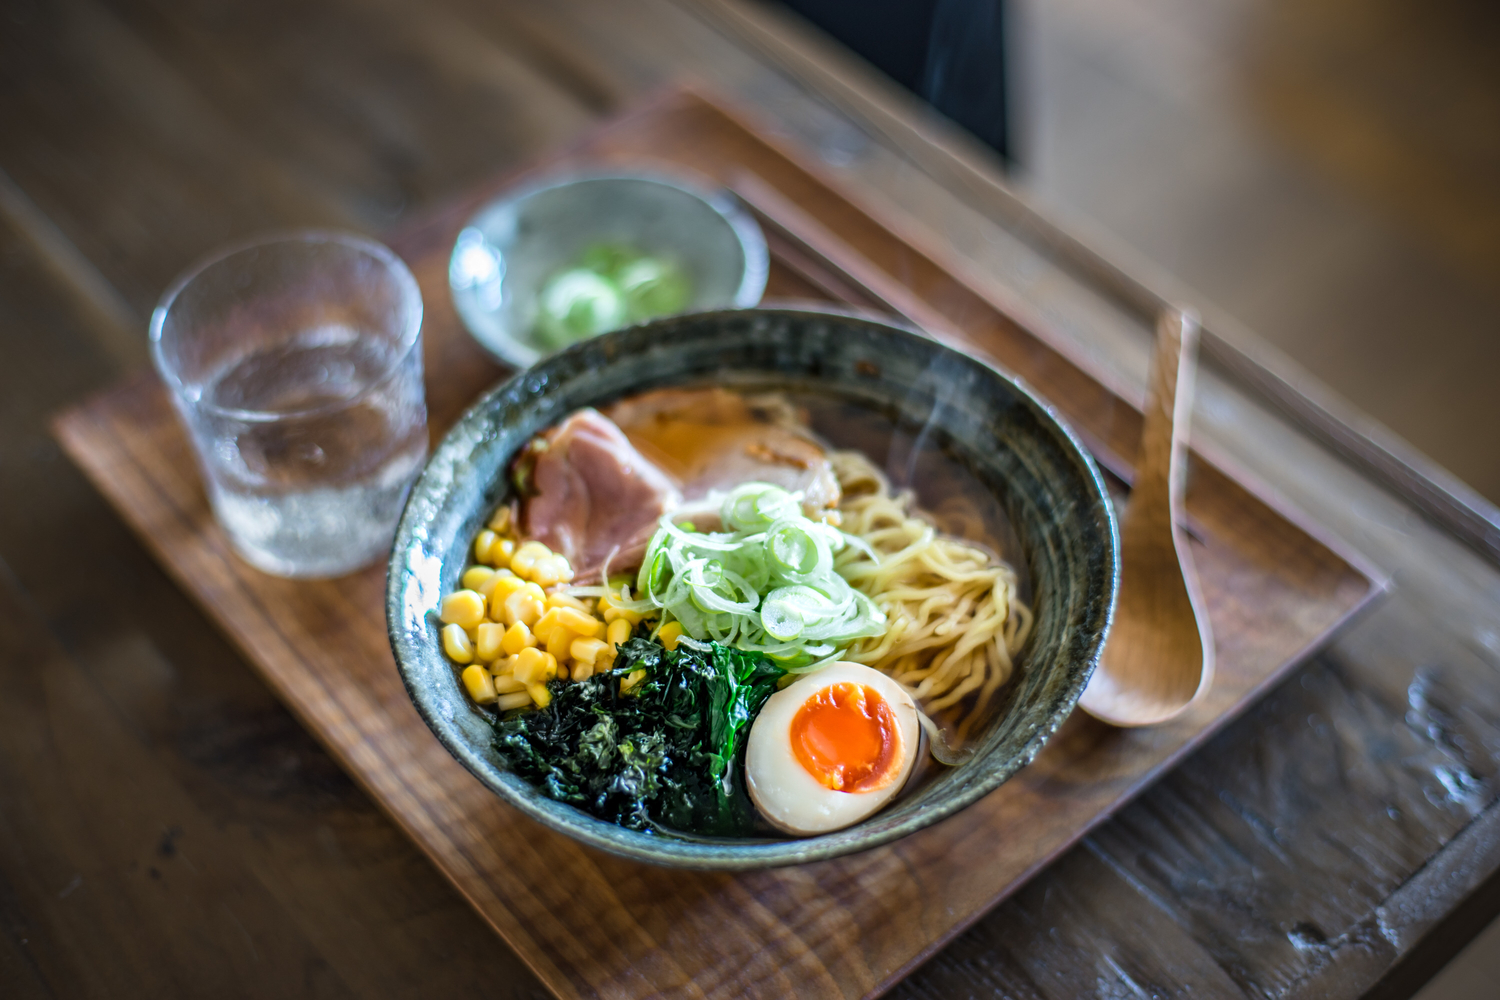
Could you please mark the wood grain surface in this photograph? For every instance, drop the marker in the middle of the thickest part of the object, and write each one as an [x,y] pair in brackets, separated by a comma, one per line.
[592,925]
[167,828]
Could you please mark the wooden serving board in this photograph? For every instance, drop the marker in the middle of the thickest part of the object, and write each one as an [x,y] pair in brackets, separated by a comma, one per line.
[591,924]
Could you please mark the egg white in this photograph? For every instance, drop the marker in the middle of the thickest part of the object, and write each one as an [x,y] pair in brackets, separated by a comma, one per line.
[788,796]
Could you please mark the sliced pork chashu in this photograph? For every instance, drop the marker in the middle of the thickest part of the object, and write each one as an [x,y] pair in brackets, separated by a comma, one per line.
[595,498]
[714,439]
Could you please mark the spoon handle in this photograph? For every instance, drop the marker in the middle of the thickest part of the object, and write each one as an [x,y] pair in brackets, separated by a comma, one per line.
[1161,466]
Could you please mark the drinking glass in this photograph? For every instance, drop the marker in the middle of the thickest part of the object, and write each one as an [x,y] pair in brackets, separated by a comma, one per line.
[295,362]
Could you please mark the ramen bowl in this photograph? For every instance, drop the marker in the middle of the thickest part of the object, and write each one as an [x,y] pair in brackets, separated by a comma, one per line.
[1012,443]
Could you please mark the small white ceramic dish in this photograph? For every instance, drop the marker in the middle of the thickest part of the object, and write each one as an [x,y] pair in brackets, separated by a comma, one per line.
[512,246]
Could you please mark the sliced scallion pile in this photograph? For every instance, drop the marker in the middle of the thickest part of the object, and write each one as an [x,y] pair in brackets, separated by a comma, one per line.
[766,583]
[609,286]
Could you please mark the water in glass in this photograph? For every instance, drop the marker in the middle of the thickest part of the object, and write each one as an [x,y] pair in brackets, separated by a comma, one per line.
[311,451]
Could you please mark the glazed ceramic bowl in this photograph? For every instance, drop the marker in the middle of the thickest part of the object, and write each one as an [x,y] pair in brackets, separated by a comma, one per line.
[1010,441]
[514,245]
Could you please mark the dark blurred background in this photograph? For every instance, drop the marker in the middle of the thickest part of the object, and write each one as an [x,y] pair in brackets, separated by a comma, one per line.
[1327,171]
[951,53]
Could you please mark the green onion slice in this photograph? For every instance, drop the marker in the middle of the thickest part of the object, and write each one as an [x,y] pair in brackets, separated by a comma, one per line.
[767,583]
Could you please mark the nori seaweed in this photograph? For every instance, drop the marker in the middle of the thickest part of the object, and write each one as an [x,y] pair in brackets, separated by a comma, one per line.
[667,755]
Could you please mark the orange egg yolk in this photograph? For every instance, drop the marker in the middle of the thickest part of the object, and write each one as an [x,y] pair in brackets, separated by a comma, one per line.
[846,736]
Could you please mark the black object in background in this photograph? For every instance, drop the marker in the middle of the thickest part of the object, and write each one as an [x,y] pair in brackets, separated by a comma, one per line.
[951,53]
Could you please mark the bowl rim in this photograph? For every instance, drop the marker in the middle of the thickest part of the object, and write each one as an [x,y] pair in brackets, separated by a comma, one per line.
[720,199]
[707,854]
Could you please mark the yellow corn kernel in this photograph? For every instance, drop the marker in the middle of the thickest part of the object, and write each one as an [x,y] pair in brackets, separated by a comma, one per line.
[475,577]
[522,566]
[517,638]
[500,589]
[563,672]
[503,666]
[464,608]
[613,614]
[544,625]
[477,680]
[457,645]
[531,666]
[619,630]
[526,557]
[500,522]
[509,584]
[539,694]
[566,601]
[552,570]
[582,671]
[559,641]
[536,592]
[522,606]
[630,680]
[506,684]
[580,622]
[587,650]
[482,543]
[669,634]
[488,642]
[519,699]
[547,572]
[487,588]
[502,550]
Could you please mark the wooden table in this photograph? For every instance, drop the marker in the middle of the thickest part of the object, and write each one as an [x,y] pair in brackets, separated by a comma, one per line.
[168,829]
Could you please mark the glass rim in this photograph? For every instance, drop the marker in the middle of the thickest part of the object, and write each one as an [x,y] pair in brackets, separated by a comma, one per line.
[410,335]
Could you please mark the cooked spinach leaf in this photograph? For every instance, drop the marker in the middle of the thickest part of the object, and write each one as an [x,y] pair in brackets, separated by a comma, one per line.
[667,754]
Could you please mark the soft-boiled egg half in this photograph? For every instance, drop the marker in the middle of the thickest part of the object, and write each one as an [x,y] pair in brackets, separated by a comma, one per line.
[830,749]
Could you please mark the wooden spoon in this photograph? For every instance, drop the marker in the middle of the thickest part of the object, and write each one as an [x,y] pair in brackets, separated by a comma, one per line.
[1159,655]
